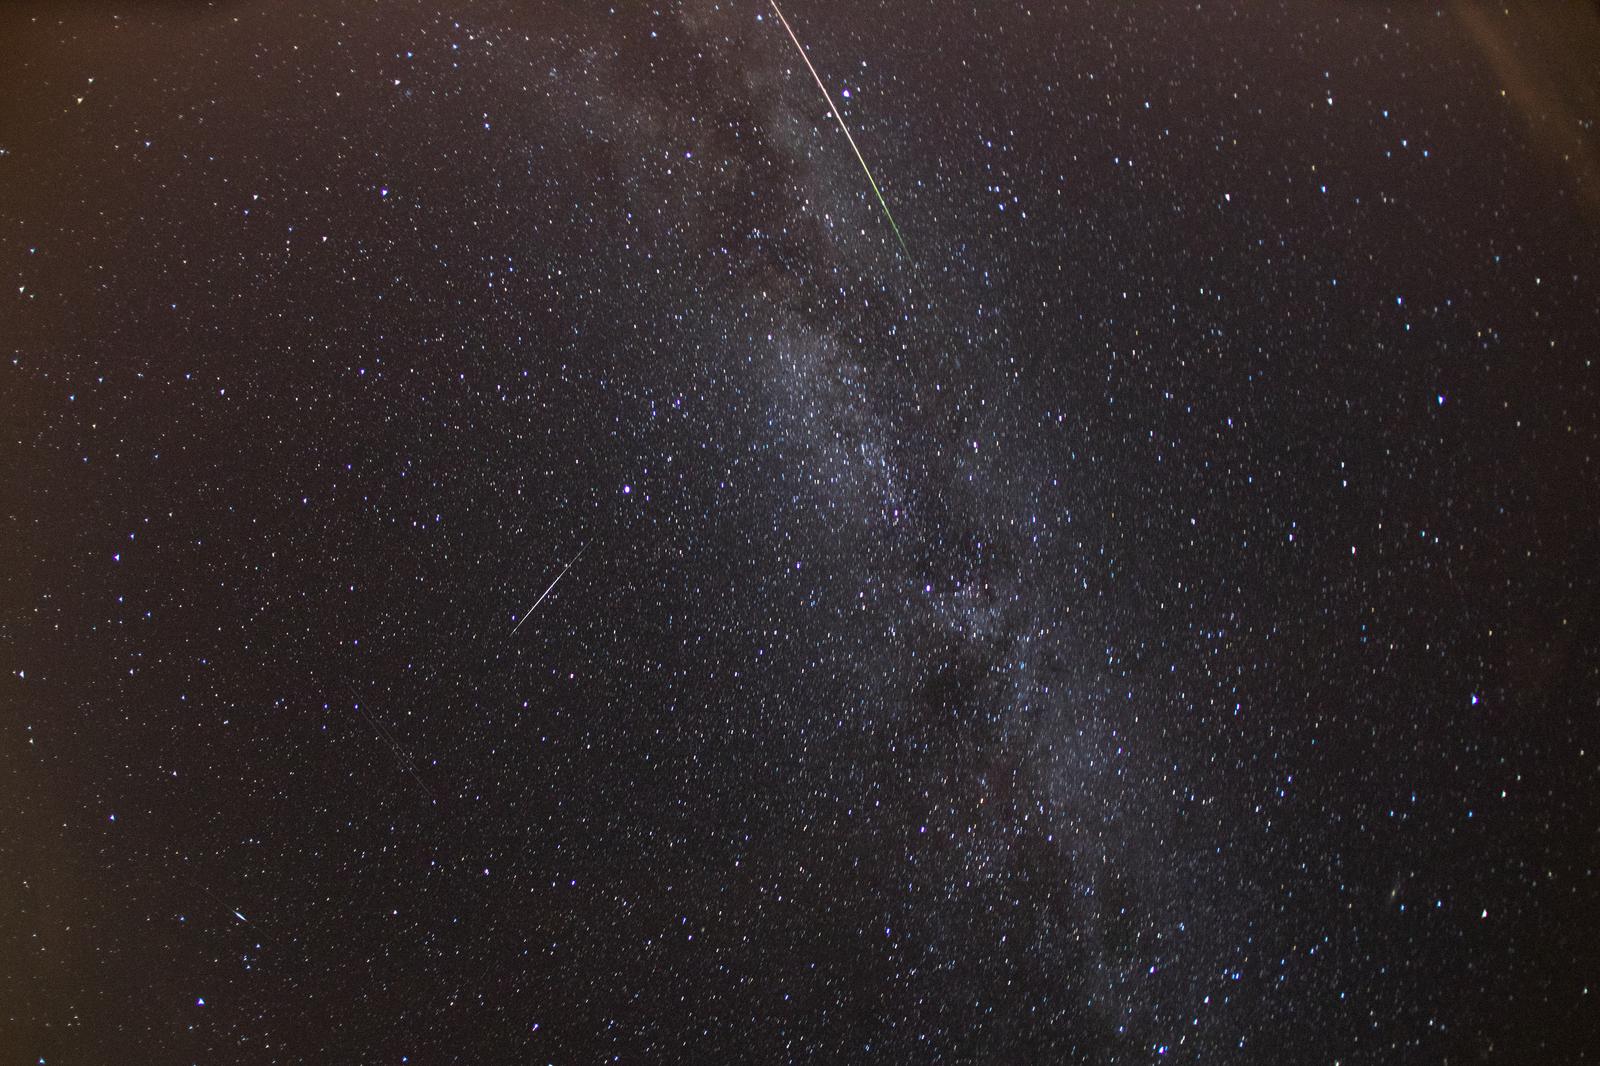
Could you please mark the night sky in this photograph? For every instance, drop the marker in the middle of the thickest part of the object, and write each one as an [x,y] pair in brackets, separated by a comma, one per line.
[1154,620]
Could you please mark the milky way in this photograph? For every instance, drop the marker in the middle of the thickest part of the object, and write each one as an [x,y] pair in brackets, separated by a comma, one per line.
[1154,623]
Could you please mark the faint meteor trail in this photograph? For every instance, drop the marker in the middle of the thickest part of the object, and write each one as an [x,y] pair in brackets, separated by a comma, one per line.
[552,585]
[396,750]
[840,119]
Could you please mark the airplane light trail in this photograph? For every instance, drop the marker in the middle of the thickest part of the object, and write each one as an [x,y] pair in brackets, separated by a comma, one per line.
[552,585]
[828,97]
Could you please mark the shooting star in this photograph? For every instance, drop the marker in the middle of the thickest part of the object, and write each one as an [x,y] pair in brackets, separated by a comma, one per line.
[396,750]
[230,909]
[840,118]
[551,586]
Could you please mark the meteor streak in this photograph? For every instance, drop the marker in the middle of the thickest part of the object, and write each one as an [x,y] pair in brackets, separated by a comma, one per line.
[840,118]
[552,585]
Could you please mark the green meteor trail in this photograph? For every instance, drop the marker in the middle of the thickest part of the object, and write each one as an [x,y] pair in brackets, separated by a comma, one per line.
[828,97]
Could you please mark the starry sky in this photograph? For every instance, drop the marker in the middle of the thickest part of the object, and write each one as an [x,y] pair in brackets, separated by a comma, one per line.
[1150,617]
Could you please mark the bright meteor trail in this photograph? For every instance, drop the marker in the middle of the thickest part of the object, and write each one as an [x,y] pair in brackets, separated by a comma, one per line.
[552,585]
[828,97]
